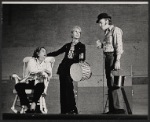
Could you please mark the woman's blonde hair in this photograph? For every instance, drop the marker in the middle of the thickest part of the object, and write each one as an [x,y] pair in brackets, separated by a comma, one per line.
[78,27]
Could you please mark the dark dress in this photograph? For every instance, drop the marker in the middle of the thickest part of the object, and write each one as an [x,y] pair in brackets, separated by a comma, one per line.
[67,98]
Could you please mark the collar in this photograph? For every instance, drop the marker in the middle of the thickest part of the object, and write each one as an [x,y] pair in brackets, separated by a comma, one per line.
[109,29]
[76,42]
[37,60]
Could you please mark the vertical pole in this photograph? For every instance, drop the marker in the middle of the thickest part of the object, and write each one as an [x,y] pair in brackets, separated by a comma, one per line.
[103,82]
[131,78]
[76,93]
[131,71]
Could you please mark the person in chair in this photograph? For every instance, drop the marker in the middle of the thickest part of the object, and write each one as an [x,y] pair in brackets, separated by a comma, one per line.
[38,71]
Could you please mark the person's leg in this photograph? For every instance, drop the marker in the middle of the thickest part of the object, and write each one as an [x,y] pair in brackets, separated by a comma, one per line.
[20,88]
[114,94]
[109,63]
[71,96]
[63,94]
[38,90]
[67,98]
[118,101]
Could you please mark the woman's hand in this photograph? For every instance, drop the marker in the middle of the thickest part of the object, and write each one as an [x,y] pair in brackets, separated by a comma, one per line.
[47,71]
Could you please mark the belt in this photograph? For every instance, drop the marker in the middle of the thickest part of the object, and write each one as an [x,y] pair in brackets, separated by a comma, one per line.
[108,52]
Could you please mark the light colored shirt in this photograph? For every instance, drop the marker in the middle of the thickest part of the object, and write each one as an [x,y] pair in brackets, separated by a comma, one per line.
[113,40]
[34,66]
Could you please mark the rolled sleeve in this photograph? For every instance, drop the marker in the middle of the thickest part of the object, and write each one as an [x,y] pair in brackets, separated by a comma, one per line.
[118,44]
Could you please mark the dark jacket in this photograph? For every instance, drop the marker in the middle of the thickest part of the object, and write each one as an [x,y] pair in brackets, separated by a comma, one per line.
[64,67]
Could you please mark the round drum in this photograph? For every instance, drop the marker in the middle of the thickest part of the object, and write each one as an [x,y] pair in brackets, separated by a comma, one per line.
[80,71]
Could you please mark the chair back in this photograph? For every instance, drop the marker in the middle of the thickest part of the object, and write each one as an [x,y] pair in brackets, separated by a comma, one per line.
[25,62]
[51,60]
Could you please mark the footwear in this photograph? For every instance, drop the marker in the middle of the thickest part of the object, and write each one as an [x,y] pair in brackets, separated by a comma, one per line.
[33,106]
[24,109]
[73,112]
[109,112]
[62,113]
[28,111]
[32,111]
[119,111]
[116,111]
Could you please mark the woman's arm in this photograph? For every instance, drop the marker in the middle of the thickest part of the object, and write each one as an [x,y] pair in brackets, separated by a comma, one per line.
[59,51]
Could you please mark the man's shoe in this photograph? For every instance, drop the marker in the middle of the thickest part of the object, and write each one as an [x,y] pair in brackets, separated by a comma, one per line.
[119,111]
[109,112]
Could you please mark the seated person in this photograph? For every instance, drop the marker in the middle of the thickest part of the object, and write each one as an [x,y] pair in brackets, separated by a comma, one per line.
[38,71]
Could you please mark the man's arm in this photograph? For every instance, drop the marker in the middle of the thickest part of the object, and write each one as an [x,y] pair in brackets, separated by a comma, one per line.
[99,44]
[118,45]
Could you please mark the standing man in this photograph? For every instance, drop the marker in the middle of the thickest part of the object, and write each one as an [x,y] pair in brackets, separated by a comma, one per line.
[113,48]
[74,53]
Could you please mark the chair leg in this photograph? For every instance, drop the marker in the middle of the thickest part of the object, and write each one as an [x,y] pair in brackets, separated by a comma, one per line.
[41,104]
[43,107]
[106,106]
[14,103]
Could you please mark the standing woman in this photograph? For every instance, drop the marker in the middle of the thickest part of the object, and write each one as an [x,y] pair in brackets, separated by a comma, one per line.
[74,53]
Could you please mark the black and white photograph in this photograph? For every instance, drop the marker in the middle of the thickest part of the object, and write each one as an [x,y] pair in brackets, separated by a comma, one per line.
[74,60]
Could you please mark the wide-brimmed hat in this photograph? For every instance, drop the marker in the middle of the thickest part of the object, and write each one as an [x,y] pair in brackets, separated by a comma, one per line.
[101,16]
